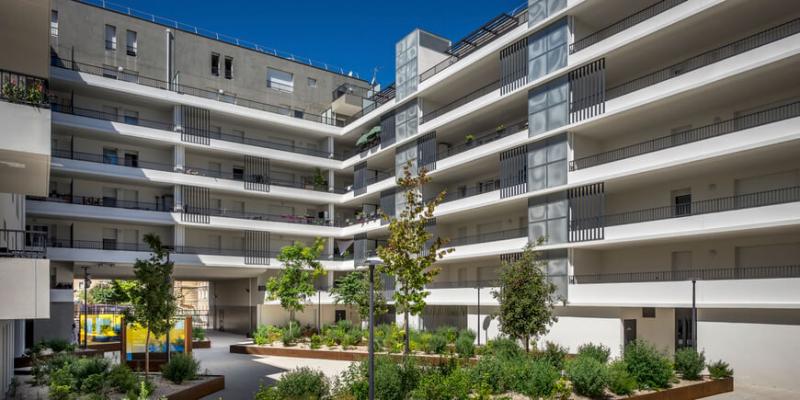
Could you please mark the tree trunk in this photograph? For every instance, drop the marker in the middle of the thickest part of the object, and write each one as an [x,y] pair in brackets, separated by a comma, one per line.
[147,353]
[407,346]
[527,346]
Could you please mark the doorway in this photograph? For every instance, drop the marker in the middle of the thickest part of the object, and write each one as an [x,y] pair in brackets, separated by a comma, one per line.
[683,328]
[629,331]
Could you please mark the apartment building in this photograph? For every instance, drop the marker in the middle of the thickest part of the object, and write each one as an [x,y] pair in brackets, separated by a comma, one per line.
[24,170]
[652,145]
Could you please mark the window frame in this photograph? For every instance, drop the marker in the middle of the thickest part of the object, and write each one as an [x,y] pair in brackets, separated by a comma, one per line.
[131,47]
[228,67]
[275,81]
[215,65]
[110,40]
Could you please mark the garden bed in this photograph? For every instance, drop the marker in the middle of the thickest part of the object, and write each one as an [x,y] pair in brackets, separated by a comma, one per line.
[189,390]
[302,350]
[688,390]
[201,344]
[27,361]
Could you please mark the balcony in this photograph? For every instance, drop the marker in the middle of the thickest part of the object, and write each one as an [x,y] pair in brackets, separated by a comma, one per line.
[737,124]
[475,141]
[23,89]
[105,202]
[111,160]
[766,287]
[489,237]
[469,97]
[705,59]
[24,275]
[188,90]
[22,244]
[236,176]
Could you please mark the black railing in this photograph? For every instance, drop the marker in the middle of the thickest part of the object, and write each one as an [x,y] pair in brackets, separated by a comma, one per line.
[105,202]
[495,28]
[241,176]
[700,274]
[489,237]
[131,51]
[475,94]
[489,185]
[22,244]
[743,122]
[255,216]
[377,176]
[378,99]
[110,159]
[737,202]
[624,24]
[709,57]
[184,89]
[64,107]
[472,141]
[463,284]
[114,245]
[22,88]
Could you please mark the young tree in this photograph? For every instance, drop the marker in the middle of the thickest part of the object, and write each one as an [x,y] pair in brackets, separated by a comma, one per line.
[152,304]
[410,252]
[353,290]
[526,297]
[295,283]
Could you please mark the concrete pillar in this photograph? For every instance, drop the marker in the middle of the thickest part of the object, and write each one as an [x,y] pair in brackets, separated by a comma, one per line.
[330,279]
[179,157]
[179,237]
[329,145]
[177,195]
[19,337]
[331,180]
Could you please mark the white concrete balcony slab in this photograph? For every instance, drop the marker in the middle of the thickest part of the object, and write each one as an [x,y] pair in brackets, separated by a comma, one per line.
[24,288]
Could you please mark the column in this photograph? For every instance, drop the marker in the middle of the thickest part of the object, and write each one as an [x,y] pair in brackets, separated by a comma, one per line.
[179,157]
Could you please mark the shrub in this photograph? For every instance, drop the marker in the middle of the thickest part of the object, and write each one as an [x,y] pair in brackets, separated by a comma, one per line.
[181,367]
[95,383]
[315,341]
[449,333]
[437,344]
[596,351]
[392,380]
[589,377]
[121,378]
[554,354]
[198,333]
[42,369]
[720,370]
[290,334]
[562,389]
[261,335]
[536,378]
[63,378]
[465,347]
[299,384]
[650,368]
[141,392]
[436,385]
[504,348]
[689,363]
[620,382]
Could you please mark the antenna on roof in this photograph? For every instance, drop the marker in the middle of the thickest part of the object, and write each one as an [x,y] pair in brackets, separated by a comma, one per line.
[374,79]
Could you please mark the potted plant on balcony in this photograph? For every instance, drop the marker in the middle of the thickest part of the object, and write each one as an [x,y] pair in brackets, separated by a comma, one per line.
[35,93]
[320,183]
[500,129]
[469,140]
[13,91]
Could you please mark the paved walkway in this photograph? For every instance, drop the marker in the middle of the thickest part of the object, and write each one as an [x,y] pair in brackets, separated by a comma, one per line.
[746,392]
[244,373]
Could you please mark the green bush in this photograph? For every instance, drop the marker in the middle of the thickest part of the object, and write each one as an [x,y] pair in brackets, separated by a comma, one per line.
[261,335]
[436,385]
[437,344]
[650,368]
[181,367]
[720,370]
[536,378]
[290,334]
[449,333]
[392,380]
[465,347]
[596,351]
[142,391]
[121,378]
[315,342]
[300,384]
[95,383]
[554,354]
[504,348]
[689,363]
[85,367]
[42,369]
[620,382]
[62,378]
[198,333]
[589,377]
[56,345]
[562,389]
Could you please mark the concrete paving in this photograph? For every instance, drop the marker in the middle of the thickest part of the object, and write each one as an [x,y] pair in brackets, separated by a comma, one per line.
[747,392]
[244,373]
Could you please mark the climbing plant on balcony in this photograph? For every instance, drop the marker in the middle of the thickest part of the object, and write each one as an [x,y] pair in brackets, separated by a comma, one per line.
[411,251]
[295,282]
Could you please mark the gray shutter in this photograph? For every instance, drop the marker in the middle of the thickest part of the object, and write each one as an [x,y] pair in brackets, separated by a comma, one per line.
[586,211]
[587,87]
[196,125]
[360,178]
[513,172]
[514,66]
[426,151]
[256,173]
[360,249]
[387,203]
[387,129]
[256,248]
[195,204]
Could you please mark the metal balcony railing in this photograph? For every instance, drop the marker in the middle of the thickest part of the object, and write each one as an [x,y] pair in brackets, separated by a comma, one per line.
[488,185]
[463,284]
[376,100]
[111,159]
[739,123]
[472,141]
[105,202]
[236,176]
[489,237]
[23,244]
[189,90]
[624,24]
[475,94]
[700,274]
[495,28]
[737,202]
[707,58]
[255,216]
[24,89]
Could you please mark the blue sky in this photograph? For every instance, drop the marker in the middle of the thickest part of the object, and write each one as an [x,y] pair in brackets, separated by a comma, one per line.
[357,35]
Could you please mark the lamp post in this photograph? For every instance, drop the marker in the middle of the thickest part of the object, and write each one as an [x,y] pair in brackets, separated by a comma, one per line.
[86,283]
[694,314]
[372,262]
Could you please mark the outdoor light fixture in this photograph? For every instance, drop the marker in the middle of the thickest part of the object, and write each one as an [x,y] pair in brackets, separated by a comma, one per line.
[371,263]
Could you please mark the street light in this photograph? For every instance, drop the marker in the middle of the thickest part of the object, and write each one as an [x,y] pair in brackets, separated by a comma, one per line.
[371,263]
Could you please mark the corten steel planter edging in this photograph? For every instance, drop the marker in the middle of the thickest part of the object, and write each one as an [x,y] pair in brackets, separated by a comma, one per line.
[194,392]
[337,355]
[201,344]
[693,391]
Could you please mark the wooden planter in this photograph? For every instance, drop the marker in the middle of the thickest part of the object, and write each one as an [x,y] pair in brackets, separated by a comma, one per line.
[200,390]
[338,355]
[201,344]
[690,392]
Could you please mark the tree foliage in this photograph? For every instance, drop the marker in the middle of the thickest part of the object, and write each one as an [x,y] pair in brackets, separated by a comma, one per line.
[411,250]
[152,303]
[353,290]
[295,282]
[525,296]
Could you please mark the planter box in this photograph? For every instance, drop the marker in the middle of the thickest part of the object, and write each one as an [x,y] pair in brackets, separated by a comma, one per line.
[201,344]
[338,355]
[690,392]
[200,390]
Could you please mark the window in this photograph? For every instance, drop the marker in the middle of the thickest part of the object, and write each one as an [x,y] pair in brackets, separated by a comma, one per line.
[110,156]
[238,173]
[548,107]
[54,23]
[131,159]
[280,80]
[111,37]
[228,67]
[648,312]
[215,64]
[682,204]
[131,43]
[547,163]
[109,113]
[131,117]
[312,83]
[547,218]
